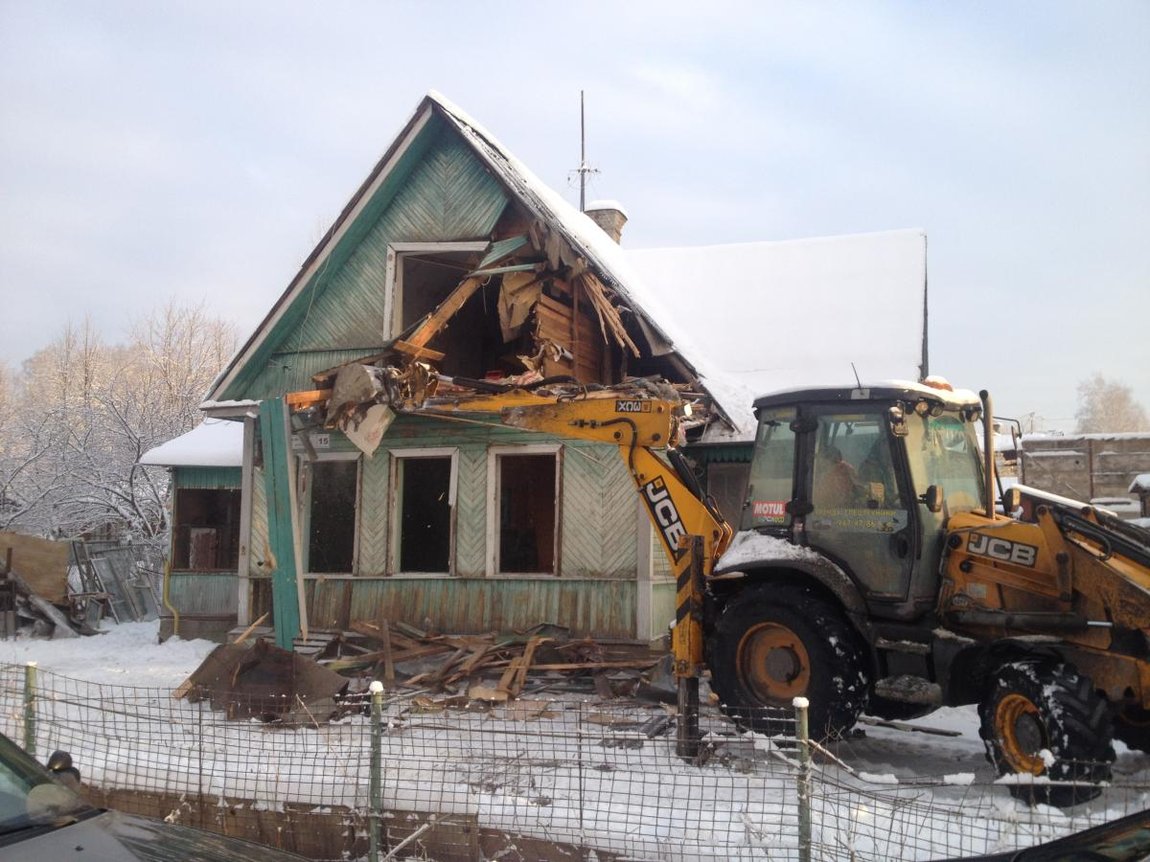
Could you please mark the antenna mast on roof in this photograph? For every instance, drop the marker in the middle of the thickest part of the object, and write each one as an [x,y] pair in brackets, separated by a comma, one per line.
[584,168]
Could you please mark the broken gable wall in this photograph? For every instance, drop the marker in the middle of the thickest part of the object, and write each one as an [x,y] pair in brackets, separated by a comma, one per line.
[446,195]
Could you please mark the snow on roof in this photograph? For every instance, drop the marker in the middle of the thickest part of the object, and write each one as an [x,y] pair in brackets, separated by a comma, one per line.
[760,316]
[793,314]
[212,443]
[1140,484]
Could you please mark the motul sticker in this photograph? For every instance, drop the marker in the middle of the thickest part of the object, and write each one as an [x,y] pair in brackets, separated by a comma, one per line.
[769,510]
[633,405]
[1000,549]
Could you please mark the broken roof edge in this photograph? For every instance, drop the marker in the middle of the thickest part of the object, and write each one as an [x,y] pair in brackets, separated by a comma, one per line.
[603,254]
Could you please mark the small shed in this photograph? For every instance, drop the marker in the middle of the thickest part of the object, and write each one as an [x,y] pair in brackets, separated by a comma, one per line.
[207,530]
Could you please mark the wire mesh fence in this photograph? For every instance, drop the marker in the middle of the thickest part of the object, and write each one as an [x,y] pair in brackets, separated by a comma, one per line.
[554,778]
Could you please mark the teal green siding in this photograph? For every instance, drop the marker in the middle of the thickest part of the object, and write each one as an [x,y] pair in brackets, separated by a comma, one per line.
[203,593]
[446,195]
[472,605]
[662,607]
[207,478]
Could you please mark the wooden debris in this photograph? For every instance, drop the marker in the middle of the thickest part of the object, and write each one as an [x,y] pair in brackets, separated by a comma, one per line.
[408,656]
[247,633]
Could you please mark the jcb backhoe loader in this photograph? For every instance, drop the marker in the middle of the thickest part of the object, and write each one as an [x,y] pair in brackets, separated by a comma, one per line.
[870,570]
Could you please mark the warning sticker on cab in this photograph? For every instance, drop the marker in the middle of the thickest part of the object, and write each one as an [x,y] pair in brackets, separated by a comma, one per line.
[769,510]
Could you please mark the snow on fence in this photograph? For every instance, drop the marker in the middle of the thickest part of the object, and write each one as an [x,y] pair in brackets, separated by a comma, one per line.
[510,781]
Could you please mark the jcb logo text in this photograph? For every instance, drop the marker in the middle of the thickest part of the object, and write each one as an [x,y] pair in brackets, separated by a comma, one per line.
[658,500]
[1001,549]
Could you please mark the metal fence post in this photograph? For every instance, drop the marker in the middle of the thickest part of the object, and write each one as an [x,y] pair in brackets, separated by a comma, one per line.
[802,732]
[376,770]
[30,708]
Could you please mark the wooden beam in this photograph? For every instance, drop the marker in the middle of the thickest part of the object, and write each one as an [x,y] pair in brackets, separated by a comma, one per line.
[444,312]
[409,349]
[307,398]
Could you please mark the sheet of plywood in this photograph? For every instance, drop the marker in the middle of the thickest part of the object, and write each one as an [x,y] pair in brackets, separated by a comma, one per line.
[42,563]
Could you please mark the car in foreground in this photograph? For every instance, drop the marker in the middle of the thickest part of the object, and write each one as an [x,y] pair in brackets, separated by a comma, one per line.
[1126,839]
[42,819]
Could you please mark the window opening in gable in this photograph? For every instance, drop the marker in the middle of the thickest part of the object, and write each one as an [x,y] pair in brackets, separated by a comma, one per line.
[423,503]
[527,513]
[472,341]
[207,530]
[334,492]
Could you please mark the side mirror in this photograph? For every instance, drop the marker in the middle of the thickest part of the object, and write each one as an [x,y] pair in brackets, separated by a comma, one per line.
[1011,500]
[60,765]
[933,498]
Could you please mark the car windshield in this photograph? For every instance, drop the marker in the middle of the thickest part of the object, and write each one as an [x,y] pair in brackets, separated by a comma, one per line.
[943,451]
[30,795]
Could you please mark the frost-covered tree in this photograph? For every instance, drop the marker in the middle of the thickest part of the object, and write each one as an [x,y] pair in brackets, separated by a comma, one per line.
[1108,406]
[83,412]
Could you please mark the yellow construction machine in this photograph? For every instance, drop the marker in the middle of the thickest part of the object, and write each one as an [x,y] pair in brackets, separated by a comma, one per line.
[874,568]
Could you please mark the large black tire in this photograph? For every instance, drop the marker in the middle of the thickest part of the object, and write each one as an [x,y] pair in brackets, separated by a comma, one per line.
[775,643]
[1044,718]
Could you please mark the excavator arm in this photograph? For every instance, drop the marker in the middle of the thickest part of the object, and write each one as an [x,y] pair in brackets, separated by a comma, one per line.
[639,417]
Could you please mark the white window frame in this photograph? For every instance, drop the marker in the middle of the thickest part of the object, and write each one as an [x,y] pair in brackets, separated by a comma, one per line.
[394,523]
[393,275]
[304,474]
[494,453]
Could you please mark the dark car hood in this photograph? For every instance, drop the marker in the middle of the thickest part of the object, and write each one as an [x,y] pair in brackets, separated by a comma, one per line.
[114,837]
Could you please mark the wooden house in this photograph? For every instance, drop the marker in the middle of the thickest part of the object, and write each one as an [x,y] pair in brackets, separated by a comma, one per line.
[456,526]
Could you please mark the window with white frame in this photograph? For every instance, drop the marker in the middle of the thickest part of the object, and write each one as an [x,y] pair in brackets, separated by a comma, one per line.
[421,275]
[523,509]
[330,503]
[423,511]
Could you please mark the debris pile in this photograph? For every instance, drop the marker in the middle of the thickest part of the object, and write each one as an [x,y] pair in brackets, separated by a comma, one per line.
[327,674]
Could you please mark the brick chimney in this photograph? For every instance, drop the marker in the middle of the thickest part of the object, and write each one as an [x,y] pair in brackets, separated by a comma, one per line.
[610,216]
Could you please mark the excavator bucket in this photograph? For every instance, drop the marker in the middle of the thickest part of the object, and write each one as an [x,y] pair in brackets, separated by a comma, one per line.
[262,681]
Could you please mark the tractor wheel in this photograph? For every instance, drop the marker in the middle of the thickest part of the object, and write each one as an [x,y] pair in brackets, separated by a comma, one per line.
[1046,719]
[774,644]
[1132,726]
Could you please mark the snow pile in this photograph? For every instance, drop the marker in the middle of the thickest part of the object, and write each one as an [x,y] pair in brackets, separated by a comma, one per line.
[126,654]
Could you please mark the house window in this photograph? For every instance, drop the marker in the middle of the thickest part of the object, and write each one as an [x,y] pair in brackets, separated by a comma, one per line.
[523,513]
[423,510]
[420,277]
[207,528]
[332,494]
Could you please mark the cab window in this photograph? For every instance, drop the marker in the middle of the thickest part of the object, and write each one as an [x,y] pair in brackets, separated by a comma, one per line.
[853,467]
[771,481]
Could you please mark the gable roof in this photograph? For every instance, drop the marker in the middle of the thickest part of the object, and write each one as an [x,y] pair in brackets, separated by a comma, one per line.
[689,280]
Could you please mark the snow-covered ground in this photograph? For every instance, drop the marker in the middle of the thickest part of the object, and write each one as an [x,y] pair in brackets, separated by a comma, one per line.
[567,770]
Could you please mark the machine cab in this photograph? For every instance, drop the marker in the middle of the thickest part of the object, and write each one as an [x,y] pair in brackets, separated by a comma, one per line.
[867,477]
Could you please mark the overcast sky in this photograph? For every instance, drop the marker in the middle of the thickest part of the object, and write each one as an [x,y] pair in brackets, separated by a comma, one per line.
[198,150]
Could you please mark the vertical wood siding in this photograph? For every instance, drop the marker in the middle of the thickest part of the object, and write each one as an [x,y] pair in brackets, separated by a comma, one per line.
[598,514]
[208,478]
[373,515]
[471,512]
[476,605]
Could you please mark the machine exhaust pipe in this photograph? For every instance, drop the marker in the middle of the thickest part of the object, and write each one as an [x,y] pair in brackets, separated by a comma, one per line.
[988,453]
